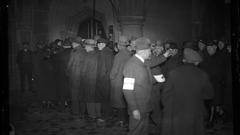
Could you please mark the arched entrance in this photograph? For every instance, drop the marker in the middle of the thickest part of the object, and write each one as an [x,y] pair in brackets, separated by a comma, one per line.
[83,24]
[89,27]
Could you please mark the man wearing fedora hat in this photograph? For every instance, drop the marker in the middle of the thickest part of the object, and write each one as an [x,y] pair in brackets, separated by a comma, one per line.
[74,68]
[105,60]
[183,97]
[137,88]
[89,80]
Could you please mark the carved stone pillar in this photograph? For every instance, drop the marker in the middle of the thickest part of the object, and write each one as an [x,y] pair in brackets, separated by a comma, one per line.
[131,17]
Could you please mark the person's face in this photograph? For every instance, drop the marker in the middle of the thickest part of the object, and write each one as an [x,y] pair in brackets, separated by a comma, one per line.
[89,48]
[167,46]
[74,44]
[129,48]
[229,48]
[147,53]
[220,45]
[201,46]
[101,46]
[59,43]
[158,50]
[211,50]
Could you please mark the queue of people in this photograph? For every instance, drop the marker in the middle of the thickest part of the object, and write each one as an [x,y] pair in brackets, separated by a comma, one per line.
[181,89]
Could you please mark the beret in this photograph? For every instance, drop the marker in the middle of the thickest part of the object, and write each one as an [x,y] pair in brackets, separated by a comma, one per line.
[191,55]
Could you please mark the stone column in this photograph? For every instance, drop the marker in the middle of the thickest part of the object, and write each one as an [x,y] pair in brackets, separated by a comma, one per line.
[131,26]
[131,17]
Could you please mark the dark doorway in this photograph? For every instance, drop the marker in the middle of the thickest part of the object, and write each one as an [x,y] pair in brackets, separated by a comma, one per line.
[90,27]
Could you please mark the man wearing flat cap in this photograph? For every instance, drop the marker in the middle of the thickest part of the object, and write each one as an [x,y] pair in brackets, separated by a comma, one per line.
[137,88]
[183,97]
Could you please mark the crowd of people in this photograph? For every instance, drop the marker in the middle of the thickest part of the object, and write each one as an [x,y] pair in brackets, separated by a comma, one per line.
[180,88]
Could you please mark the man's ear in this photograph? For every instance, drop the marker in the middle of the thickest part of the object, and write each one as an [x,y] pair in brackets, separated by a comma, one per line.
[183,60]
[196,63]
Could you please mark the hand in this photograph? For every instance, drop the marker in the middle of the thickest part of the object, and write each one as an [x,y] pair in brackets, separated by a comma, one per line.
[167,53]
[174,52]
[136,114]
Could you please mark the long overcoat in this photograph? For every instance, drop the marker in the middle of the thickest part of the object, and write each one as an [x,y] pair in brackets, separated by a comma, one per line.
[74,68]
[183,101]
[60,61]
[88,78]
[105,61]
[212,66]
[116,78]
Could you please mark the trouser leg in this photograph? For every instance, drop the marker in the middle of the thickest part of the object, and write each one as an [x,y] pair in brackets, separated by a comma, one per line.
[29,80]
[91,109]
[98,107]
[75,107]
[75,101]
[122,115]
[82,108]
[138,127]
[106,110]
[22,80]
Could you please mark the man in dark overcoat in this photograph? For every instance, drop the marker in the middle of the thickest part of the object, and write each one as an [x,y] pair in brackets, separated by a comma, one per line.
[211,65]
[183,97]
[116,76]
[25,65]
[74,68]
[105,61]
[88,80]
[60,60]
[137,88]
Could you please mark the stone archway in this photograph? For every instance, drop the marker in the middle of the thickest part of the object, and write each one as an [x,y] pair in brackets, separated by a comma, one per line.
[72,22]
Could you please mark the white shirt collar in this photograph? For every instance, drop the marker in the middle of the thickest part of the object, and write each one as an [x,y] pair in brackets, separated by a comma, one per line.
[139,57]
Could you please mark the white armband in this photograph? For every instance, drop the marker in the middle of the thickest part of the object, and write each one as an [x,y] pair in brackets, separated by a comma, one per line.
[128,83]
[159,78]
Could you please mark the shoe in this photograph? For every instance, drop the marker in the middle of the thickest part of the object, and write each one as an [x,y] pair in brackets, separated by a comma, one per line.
[100,120]
[121,124]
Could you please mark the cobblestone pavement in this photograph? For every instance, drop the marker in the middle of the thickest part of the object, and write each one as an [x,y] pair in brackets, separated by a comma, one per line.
[38,121]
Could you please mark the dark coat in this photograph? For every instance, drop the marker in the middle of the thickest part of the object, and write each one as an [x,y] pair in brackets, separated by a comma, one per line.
[227,102]
[105,61]
[116,76]
[211,65]
[140,97]
[60,61]
[156,96]
[183,101]
[89,78]
[75,64]
[171,64]
[45,78]
[25,61]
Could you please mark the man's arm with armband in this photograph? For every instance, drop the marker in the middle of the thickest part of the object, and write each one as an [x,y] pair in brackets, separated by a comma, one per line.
[129,83]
